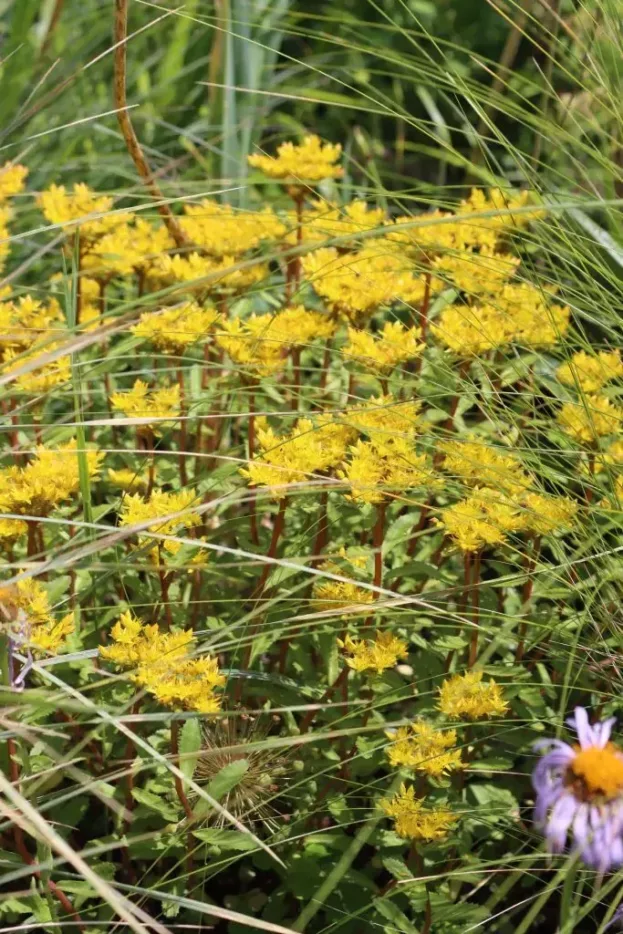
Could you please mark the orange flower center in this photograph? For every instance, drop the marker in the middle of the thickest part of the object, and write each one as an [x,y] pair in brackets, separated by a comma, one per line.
[596,771]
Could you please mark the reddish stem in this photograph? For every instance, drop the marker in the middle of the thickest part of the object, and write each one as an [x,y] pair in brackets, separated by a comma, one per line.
[296,378]
[378,534]
[425,306]
[255,538]
[473,644]
[526,595]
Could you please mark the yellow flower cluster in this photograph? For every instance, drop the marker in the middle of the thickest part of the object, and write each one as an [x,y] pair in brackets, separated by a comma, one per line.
[12,180]
[127,479]
[312,447]
[204,274]
[130,247]
[381,469]
[170,512]
[172,330]
[355,285]
[482,519]
[376,656]
[26,320]
[478,464]
[476,273]
[221,230]
[590,372]
[247,344]
[310,161]
[82,209]
[48,480]
[468,697]
[141,402]
[545,514]
[323,220]
[330,596]
[26,608]
[43,378]
[395,344]
[414,821]
[162,665]
[420,746]
[295,326]
[589,419]
[384,417]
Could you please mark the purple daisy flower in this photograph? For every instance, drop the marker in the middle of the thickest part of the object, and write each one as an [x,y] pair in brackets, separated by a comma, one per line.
[579,793]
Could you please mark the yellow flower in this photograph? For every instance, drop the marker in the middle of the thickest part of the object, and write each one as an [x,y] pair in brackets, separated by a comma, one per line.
[141,402]
[428,233]
[590,419]
[12,179]
[413,821]
[312,447]
[611,457]
[221,230]
[384,417]
[383,653]
[32,623]
[530,319]
[12,528]
[323,220]
[470,332]
[77,210]
[482,519]
[546,514]
[172,330]
[381,469]
[329,595]
[135,510]
[128,480]
[310,161]
[49,479]
[357,284]
[130,247]
[468,697]
[479,464]
[26,320]
[497,200]
[42,379]
[205,274]
[247,344]
[422,747]
[394,345]
[296,326]
[476,273]
[162,665]
[590,372]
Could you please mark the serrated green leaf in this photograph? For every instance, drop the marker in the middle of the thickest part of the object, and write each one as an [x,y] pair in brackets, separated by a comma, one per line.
[155,803]
[190,747]
[225,839]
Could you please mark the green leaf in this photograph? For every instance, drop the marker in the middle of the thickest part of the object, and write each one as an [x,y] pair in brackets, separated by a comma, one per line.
[227,779]
[225,839]
[155,803]
[190,747]
[391,912]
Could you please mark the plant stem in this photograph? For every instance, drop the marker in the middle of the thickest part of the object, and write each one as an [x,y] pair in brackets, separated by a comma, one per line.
[378,534]
[251,440]
[473,643]
[526,595]
[182,434]
[296,378]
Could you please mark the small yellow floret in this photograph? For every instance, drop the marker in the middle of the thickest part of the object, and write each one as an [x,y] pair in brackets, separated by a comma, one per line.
[422,747]
[590,372]
[467,697]
[310,161]
[26,609]
[484,518]
[477,463]
[377,656]
[76,209]
[413,821]
[160,505]
[221,230]
[395,344]
[49,479]
[140,402]
[590,419]
[380,469]
[12,179]
[173,330]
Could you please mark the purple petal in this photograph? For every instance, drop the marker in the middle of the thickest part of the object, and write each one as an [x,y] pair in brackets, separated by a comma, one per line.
[603,730]
[560,820]
[579,721]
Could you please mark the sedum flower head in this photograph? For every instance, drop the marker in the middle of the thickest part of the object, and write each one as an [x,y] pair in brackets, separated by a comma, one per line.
[162,664]
[384,417]
[10,529]
[590,419]
[323,220]
[26,320]
[50,478]
[310,161]
[468,697]
[395,344]
[162,508]
[546,514]
[476,463]
[141,402]
[532,321]
[590,372]
[128,480]
[471,331]
[428,233]
[314,446]
[221,230]
[420,746]
[380,469]
[12,180]
[355,285]
[247,343]
[496,200]
[376,656]
[173,330]
[128,248]
[296,326]
[42,379]
[26,608]
[482,519]
[414,821]
[329,595]
[75,209]
[477,273]
[206,274]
